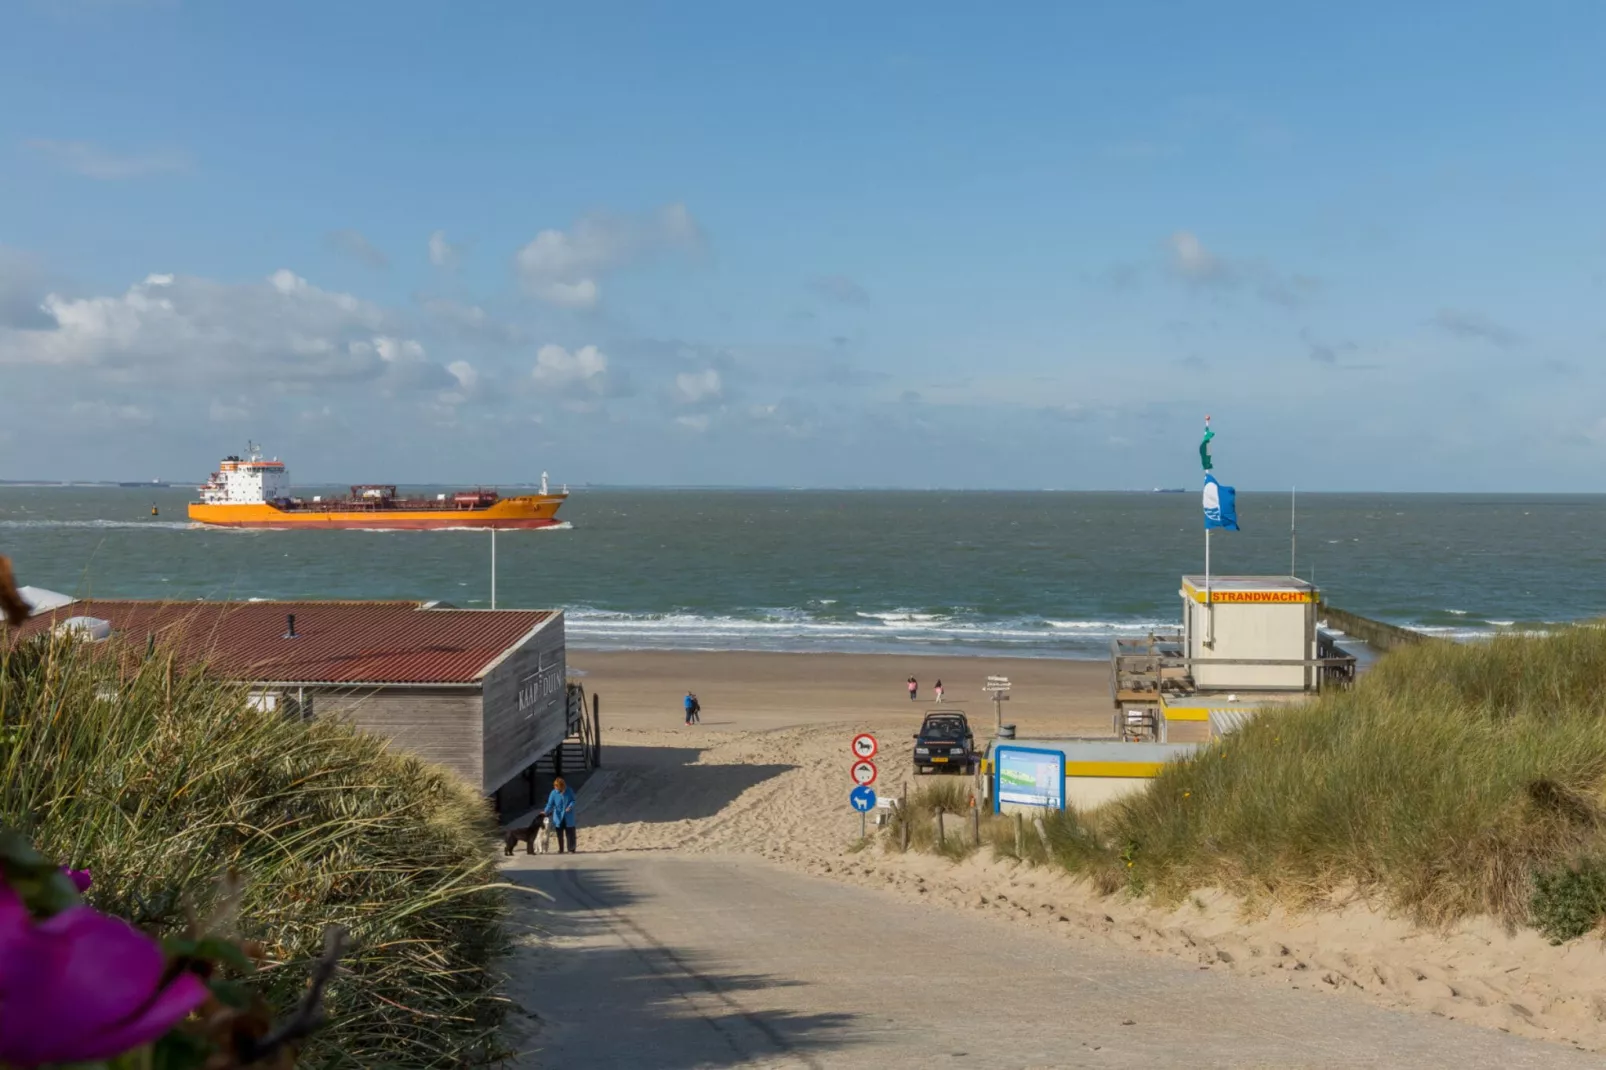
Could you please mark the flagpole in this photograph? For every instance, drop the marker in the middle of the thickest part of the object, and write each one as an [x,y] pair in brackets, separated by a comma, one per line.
[1210,598]
[1293,533]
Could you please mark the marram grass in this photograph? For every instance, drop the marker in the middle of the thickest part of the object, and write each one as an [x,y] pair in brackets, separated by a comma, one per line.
[160,781]
[1453,780]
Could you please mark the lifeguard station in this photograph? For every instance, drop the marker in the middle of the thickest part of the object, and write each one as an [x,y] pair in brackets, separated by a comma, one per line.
[1246,642]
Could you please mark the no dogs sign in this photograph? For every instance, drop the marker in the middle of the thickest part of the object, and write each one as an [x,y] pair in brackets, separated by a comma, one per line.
[864,746]
[864,772]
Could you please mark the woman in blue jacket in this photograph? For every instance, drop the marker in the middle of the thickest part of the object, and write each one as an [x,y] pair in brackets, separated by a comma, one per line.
[560,814]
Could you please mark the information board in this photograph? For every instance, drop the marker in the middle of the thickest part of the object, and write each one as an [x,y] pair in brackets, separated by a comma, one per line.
[1028,776]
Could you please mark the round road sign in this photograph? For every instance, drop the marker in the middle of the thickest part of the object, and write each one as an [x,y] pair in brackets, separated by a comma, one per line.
[864,745]
[862,798]
[864,772]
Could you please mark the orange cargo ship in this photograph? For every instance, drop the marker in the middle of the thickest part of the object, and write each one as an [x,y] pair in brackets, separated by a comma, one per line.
[250,492]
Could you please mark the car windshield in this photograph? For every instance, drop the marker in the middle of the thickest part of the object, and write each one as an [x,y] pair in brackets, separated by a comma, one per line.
[944,729]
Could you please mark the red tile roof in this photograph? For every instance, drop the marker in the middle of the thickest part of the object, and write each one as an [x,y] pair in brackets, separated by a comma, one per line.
[336,642]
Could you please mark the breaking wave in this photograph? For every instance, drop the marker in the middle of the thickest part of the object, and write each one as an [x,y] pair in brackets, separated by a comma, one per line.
[864,631]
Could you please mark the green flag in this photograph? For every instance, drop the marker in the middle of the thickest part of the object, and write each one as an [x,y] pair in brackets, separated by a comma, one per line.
[1204,446]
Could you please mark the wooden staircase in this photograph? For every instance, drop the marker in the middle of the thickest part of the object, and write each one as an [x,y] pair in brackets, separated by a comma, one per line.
[581,749]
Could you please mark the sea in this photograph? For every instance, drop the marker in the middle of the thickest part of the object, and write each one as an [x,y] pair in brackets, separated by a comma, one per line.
[1032,574]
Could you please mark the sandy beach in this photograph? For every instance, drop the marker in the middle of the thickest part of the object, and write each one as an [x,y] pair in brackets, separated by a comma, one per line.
[764,781]
[750,692]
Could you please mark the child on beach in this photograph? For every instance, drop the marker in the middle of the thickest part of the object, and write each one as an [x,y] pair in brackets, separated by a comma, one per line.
[913,687]
[938,690]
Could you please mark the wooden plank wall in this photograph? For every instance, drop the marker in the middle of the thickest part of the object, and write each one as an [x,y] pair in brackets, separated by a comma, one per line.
[524,706]
[441,725]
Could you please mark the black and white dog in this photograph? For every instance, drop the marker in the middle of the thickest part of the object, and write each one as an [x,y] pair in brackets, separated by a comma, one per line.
[535,837]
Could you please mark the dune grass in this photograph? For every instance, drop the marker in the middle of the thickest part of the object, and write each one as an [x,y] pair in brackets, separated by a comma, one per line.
[951,796]
[1453,780]
[159,782]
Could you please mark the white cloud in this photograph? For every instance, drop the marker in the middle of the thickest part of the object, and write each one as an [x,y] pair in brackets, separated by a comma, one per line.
[583,371]
[464,373]
[1193,263]
[355,244]
[282,332]
[467,384]
[697,423]
[693,387]
[442,253]
[396,350]
[565,267]
[95,161]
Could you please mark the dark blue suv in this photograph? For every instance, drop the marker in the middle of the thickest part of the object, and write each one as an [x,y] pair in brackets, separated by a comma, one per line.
[944,742]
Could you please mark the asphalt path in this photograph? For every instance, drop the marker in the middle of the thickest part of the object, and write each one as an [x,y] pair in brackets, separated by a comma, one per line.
[656,960]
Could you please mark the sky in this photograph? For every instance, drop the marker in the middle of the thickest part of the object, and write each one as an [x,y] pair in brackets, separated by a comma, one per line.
[836,244]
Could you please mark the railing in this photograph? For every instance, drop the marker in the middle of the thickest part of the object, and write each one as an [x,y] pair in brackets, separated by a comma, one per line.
[1138,667]
[583,724]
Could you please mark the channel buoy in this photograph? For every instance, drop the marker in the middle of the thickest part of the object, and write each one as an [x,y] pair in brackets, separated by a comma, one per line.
[153,511]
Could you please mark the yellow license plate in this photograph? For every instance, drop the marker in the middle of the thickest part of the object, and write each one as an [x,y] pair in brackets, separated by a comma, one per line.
[939,760]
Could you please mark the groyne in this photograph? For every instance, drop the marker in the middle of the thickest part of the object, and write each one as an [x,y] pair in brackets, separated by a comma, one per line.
[1375,633]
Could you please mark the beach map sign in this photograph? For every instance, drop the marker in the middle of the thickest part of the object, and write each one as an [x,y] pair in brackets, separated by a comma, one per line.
[1028,776]
[863,772]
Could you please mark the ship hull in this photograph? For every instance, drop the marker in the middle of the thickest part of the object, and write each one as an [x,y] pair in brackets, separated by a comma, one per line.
[507,513]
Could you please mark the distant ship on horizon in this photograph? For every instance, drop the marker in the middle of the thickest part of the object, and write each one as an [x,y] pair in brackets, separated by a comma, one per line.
[251,492]
[150,483]
[1170,490]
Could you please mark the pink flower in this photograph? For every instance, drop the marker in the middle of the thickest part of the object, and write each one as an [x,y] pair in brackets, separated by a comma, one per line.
[79,878]
[82,986]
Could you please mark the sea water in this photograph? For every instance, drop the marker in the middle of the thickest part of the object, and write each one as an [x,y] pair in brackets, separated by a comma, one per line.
[1031,574]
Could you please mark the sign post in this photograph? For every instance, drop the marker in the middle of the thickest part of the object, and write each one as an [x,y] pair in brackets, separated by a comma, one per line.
[862,799]
[998,686]
[863,772]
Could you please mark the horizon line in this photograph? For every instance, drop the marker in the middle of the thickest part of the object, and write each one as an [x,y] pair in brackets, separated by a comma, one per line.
[816,488]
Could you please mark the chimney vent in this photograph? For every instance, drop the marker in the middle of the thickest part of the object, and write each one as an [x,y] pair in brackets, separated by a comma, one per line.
[290,626]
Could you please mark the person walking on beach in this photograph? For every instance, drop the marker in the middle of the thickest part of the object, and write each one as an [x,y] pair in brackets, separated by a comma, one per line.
[938,690]
[913,687]
[690,702]
[560,814]
[696,711]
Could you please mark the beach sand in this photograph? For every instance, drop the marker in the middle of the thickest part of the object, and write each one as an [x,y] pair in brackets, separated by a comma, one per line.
[750,692]
[766,775]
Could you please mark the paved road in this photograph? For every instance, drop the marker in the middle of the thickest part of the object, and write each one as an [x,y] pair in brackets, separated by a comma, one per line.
[667,962]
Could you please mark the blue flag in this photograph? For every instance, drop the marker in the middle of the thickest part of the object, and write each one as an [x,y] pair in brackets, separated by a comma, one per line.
[1220,505]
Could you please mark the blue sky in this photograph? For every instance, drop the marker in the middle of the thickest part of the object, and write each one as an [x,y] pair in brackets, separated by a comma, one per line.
[841,244]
